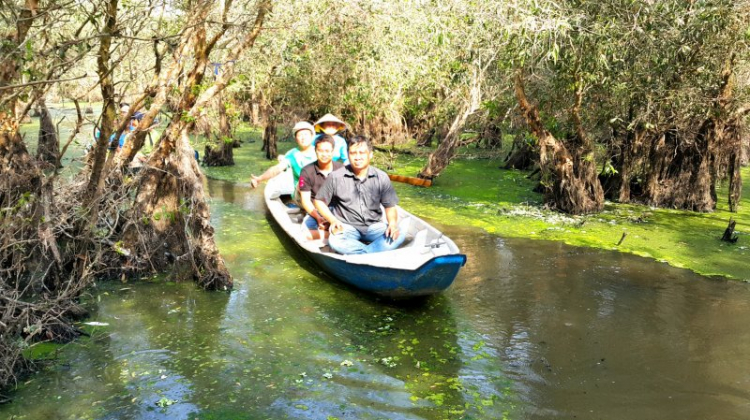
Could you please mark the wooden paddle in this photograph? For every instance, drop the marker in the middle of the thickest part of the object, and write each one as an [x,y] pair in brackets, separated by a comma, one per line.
[419,182]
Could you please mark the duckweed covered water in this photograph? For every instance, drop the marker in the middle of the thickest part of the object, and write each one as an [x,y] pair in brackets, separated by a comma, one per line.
[529,330]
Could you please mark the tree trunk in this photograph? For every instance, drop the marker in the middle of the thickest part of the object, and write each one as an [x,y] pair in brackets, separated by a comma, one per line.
[683,170]
[492,136]
[170,225]
[425,139]
[570,179]
[20,190]
[269,139]
[20,178]
[220,152]
[104,71]
[48,147]
[729,235]
[523,153]
[733,134]
[18,173]
[678,172]
[441,158]
[735,182]
[627,152]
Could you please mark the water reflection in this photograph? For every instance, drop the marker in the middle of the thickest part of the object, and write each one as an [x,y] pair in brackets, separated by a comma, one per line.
[221,190]
[529,330]
[592,334]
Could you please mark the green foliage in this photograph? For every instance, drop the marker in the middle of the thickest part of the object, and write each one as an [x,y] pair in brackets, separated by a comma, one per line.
[608,170]
[186,117]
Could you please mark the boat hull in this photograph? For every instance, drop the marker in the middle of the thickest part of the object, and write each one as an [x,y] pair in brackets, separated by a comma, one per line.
[432,277]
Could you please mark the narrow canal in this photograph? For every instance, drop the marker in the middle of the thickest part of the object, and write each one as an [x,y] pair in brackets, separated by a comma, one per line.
[529,330]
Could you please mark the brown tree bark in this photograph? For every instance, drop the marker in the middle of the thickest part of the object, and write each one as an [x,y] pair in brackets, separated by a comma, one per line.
[522,155]
[683,168]
[570,179]
[104,71]
[492,136]
[425,139]
[159,90]
[20,178]
[734,133]
[48,146]
[445,152]
[627,153]
[270,138]
[735,182]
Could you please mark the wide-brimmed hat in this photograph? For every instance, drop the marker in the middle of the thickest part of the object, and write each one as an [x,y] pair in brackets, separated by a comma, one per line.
[303,125]
[329,118]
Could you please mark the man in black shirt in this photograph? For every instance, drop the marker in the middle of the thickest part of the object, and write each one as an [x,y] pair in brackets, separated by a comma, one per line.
[311,179]
[355,195]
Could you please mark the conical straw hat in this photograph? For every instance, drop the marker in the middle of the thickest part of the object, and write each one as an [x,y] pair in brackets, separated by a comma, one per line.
[329,118]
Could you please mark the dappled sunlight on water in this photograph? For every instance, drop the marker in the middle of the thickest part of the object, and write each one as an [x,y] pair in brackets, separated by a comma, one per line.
[529,330]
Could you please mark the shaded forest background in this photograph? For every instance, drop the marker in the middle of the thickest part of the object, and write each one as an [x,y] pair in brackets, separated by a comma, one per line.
[627,100]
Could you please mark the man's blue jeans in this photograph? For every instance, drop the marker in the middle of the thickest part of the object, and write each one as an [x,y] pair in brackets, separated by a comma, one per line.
[351,241]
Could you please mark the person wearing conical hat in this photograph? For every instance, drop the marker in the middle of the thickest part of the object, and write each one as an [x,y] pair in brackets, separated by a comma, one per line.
[296,159]
[329,124]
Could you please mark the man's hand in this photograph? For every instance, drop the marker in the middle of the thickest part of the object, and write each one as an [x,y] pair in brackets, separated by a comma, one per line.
[336,227]
[392,232]
[322,222]
[254,181]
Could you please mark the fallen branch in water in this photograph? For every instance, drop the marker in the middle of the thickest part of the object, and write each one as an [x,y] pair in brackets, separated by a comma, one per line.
[729,235]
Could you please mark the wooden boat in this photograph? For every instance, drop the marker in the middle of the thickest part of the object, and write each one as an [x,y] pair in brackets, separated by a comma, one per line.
[427,262]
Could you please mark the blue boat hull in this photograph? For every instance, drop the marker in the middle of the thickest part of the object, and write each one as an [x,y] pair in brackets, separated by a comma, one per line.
[432,277]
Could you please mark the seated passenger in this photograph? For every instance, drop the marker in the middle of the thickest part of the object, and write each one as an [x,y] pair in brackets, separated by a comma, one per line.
[312,177]
[297,158]
[331,125]
[355,195]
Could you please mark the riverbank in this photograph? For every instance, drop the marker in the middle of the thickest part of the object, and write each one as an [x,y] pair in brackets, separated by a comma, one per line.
[473,191]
